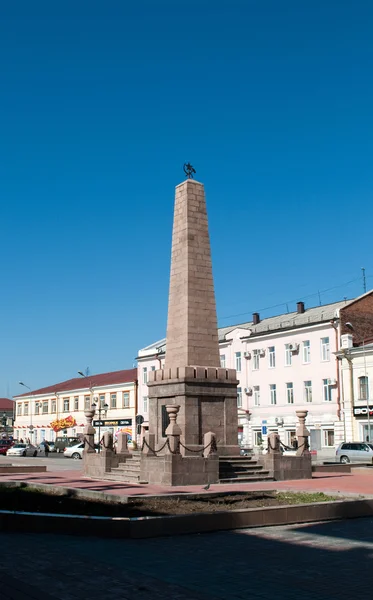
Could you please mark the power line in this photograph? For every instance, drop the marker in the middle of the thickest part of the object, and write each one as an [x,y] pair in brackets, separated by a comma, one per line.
[316,294]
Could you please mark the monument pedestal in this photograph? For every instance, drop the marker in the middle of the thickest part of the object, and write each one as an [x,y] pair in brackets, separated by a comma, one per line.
[208,402]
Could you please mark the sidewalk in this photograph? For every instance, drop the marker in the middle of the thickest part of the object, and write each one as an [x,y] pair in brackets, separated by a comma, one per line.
[354,483]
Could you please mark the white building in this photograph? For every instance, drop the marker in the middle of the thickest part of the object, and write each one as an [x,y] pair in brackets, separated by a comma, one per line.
[283,363]
[356,365]
[36,410]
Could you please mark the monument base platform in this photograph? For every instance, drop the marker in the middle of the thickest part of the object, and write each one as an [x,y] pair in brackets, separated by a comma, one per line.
[174,470]
[283,468]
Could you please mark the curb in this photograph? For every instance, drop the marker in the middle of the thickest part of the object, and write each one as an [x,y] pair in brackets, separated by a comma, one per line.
[147,527]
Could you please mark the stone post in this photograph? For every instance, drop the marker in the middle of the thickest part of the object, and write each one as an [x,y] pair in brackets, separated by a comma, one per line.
[209,443]
[107,446]
[89,431]
[173,431]
[274,444]
[148,444]
[122,443]
[302,433]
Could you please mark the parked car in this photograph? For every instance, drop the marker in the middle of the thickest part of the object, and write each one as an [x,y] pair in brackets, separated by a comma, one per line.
[355,452]
[76,451]
[22,450]
[5,445]
[63,442]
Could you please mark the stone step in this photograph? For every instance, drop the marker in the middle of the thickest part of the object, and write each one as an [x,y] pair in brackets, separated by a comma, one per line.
[227,472]
[248,479]
[125,477]
[236,465]
[237,459]
[230,469]
[128,467]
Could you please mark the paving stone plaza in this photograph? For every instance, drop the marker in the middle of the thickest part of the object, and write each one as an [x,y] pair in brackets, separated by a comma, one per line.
[320,561]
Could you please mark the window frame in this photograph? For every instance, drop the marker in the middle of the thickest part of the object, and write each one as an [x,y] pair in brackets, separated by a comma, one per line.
[76,403]
[272,357]
[145,375]
[238,361]
[288,355]
[363,386]
[290,392]
[307,393]
[324,438]
[113,396]
[326,391]
[325,349]
[256,360]
[66,400]
[145,403]
[53,406]
[306,352]
[239,397]
[222,361]
[273,394]
[87,402]
[127,395]
[45,403]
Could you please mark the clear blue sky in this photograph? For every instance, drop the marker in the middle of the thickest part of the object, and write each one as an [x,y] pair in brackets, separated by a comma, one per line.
[101,103]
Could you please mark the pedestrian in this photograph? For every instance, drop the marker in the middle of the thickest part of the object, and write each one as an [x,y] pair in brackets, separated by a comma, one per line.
[21,441]
[46,448]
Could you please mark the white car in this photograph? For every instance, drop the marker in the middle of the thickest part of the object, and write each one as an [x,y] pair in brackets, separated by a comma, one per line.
[76,451]
[22,450]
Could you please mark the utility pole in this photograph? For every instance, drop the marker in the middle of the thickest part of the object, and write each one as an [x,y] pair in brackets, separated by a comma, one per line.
[364,280]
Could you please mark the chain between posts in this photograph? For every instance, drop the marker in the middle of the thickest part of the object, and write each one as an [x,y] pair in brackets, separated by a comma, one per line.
[177,451]
[285,447]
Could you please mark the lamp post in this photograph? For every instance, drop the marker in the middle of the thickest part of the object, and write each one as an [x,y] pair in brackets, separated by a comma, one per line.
[102,408]
[31,427]
[352,328]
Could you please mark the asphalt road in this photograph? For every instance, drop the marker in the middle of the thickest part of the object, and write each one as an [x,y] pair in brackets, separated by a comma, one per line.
[54,462]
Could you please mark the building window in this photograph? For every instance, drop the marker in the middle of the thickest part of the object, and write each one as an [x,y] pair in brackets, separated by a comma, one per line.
[113,400]
[325,349]
[66,404]
[45,407]
[76,403]
[19,409]
[238,362]
[363,388]
[326,390]
[288,355]
[290,393]
[145,375]
[87,402]
[256,395]
[152,368]
[25,410]
[272,389]
[308,391]
[126,399]
[53,406]
[239,397]
[306,352]
[145,404]
[102,400]
[328,438]
[291,438]
[37,408]
[256,357]
[272,357]
[222,361]
[258,438]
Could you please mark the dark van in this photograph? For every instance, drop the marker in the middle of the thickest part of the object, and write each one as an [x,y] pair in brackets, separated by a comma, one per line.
[64,442]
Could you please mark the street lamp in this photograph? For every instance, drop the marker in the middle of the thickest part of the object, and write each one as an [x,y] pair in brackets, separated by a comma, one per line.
[102,408]
[352,328]
[31,427]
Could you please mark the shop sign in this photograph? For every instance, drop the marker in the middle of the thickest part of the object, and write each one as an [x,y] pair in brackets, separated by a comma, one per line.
[112,423]
[362,411]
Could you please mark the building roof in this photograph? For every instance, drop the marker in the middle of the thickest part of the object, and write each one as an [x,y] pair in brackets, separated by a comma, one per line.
[6,404]
[283,322]
[81,383]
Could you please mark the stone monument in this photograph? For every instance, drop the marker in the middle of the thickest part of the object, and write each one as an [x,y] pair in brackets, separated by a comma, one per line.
[204,393]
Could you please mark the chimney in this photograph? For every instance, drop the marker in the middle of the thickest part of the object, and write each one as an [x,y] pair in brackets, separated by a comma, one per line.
[256,318]
[300,308]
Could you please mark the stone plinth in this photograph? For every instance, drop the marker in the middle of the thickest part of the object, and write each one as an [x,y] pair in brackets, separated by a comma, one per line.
[287,467]
[208,402]
[174,469]
[96,465]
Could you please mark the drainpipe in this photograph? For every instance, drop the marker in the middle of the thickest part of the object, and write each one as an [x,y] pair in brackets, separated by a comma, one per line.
[352,395]
[335,326]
